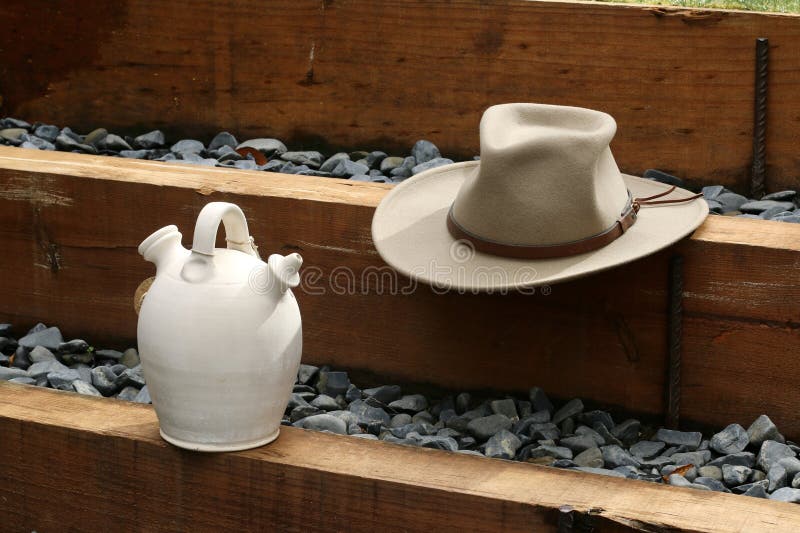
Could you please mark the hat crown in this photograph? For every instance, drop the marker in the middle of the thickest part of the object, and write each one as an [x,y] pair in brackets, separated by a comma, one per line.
[546,176]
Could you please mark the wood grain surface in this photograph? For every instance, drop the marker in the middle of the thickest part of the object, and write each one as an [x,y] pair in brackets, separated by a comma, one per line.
[102,466]
[380,75]
[70,225]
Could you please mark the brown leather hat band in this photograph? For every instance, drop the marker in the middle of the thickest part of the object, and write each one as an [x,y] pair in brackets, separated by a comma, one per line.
[582,246]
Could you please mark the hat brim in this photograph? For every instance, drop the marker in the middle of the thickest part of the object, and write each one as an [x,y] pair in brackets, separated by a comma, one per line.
[410,233]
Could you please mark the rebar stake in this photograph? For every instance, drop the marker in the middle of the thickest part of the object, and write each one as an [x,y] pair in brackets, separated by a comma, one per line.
[759,170]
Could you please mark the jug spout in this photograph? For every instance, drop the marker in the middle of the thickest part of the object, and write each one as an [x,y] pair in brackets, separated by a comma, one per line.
[285,270]
[162,246]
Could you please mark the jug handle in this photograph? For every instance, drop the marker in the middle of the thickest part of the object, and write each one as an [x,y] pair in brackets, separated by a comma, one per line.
[236,233]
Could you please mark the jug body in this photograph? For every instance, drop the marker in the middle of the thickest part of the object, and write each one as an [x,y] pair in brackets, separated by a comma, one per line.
[219,350]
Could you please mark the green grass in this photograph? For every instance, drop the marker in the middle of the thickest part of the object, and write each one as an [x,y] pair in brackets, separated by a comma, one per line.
[776,6]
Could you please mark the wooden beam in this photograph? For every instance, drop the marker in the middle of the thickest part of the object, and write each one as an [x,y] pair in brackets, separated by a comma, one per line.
[70,225]
[101,464]
[380,75]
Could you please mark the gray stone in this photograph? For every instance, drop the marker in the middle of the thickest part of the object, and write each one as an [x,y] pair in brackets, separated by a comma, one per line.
[374,159]
[12,134]
[591,418]
[423,416]
[63,379]
[108,354]
[539,400]
[333,383]
[583,430]
[268,147]
[758,206]
[711,483]
[404,170]
[731,201]
[755,490]
[187,146]
[570,409]
[773,212]
[306,373]
[777,477]
[390,163]
[462,402]
[302,411]
[42,368]
[505,407]
[22,380]
[786,494]
[434,441]
[433,163]
[346,168]
[113,143]
[671,437]
[791,464]
[735,475]
[143,396]
[600,471]
[105,380]
[39,144]
[663,177]
[793,219]
[757,475]
[420,428]
[763,429]
[49,338]
[130,376]
[424,151]
[221,139]
[368,414]
[536,451]
[411,403]
[329,164]
[627,432]
[68,144]
[502,444]
[578,443]
[771,452]
[150,140]
[130,358]
[546,431]
[73,346]
[85,371]
[647,449]
[614,456]
[385,394]
[47,132]
[678,480]
[325,403]
[95,136]
[712,191]
[311,159]
[353,393]
[39,354]
[400,420]
[591,457]
[714,472]
[128,394]
[742,458]
[11,122]
[698,458]
[732,439]
[781,196]
[245,164]
[323,422]
[135,154]
[484,427]
[82,387]
[608,438]
[7,373]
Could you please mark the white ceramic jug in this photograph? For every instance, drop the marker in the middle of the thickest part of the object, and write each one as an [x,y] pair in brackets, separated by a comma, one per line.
[219,335]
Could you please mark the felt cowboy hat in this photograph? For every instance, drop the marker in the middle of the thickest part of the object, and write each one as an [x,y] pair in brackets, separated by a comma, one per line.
[545,203]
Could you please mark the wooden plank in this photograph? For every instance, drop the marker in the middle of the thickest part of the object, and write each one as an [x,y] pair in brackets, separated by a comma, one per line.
[101,463]
[362,74]
[70,225]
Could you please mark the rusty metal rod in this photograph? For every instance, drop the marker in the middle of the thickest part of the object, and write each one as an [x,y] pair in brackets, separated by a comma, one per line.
[675,332]
[759,170]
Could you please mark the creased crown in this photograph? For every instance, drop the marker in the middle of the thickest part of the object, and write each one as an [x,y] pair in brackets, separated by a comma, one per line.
[546,176]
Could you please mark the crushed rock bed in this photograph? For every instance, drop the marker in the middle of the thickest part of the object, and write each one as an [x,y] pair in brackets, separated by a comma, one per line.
[757,461]
[272,155]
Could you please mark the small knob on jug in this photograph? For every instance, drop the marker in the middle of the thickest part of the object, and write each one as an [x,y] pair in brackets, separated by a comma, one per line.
[286,270]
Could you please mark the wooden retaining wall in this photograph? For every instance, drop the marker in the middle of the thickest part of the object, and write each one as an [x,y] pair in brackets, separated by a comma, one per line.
[370,75]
